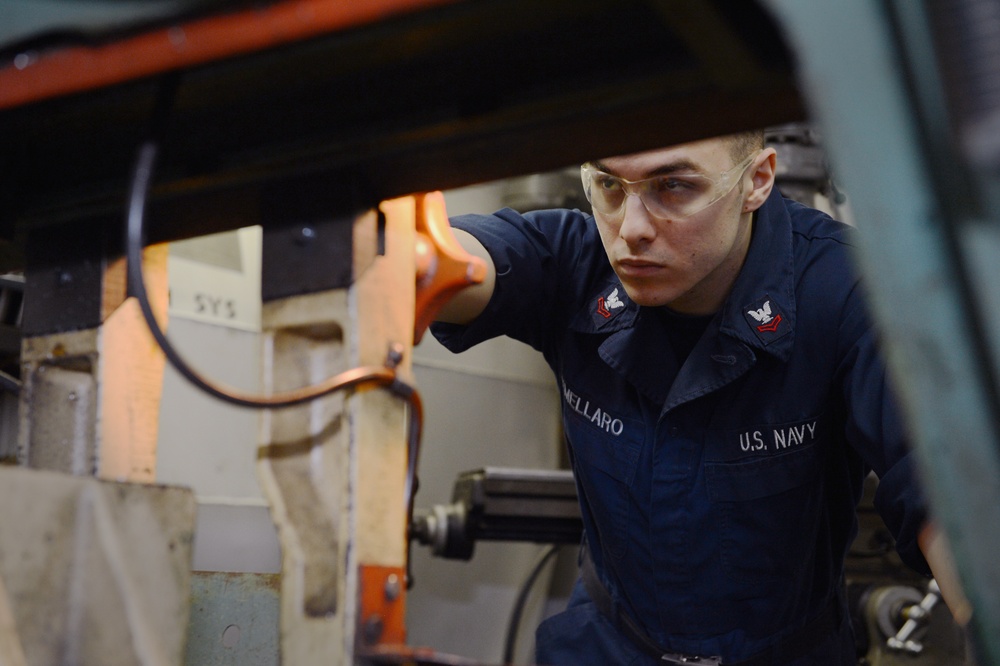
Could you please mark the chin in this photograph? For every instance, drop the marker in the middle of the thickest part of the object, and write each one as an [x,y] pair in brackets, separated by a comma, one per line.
[653,302]
[649,298]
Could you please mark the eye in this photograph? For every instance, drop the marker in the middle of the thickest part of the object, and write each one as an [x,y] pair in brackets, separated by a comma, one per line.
[607,183]
[673,185]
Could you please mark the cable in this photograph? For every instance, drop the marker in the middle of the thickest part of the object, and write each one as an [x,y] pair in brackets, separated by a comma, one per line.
[10,383]
[371,375]
[138,192]
[522,597]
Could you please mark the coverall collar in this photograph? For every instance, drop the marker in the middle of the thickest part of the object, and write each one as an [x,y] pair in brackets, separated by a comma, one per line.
[757,316]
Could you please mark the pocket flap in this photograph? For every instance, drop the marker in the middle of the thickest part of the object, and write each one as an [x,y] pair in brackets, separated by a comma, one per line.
[743,480]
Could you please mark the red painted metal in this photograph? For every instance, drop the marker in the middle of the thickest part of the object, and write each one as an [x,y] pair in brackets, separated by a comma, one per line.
[187,44]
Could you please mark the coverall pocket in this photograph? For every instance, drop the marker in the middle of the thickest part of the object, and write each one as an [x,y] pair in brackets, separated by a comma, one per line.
[770,511]
[605,457]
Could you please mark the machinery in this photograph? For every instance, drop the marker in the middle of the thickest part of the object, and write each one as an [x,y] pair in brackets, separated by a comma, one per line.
[898,616]
[319,121]
[502,505]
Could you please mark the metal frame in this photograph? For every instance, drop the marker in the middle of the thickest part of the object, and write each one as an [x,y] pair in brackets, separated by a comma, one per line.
[925,259]
[383,109]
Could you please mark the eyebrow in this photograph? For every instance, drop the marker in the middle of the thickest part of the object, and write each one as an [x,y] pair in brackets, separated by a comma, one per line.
[682,165]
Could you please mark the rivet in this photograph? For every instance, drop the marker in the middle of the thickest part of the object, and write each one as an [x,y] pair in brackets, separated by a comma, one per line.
[392,587]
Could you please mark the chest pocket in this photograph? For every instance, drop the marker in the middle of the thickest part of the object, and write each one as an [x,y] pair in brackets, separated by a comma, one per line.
[605,449]
[770,510]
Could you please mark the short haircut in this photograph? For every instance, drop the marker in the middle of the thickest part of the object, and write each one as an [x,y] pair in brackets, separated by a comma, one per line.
[741,145]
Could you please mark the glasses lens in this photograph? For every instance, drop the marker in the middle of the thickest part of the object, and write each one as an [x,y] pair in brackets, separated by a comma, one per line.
[677,196]
[671,197]
[605,192]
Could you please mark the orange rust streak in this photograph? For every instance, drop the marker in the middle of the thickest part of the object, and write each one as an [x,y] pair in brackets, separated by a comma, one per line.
[76,69]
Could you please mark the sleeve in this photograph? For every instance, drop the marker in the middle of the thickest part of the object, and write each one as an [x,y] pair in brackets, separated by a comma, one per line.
[876,430]
[534,255]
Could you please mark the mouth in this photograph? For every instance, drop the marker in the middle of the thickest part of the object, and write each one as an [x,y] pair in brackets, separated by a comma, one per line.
[637,268]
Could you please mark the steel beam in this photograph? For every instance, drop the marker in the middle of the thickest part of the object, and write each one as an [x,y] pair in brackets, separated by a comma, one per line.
[428,99]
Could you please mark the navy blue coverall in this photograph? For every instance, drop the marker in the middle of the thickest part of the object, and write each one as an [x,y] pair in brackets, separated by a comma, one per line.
[718,494]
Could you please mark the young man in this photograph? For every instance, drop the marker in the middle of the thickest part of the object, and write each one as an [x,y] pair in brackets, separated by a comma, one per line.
[723,399]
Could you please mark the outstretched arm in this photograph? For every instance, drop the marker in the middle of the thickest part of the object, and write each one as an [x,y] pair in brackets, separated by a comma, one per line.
[471,301]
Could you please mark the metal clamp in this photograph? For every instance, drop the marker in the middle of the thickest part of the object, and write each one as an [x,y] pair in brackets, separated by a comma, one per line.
[917,617]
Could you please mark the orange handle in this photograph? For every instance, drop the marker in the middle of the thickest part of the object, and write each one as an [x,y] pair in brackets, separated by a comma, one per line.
[443,268]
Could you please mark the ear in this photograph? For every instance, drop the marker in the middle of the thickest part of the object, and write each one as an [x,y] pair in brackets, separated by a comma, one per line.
[761,172]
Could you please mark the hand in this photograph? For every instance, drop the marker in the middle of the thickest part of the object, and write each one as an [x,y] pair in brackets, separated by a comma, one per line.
[937,552]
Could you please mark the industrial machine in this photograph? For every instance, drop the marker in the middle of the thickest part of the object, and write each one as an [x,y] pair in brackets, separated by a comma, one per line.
[318,121]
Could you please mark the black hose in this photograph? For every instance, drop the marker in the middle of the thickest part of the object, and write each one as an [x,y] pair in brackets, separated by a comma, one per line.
[375,375]
[513,626]
[10,383]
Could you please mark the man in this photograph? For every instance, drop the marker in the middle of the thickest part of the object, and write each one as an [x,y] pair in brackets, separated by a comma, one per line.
[723,399]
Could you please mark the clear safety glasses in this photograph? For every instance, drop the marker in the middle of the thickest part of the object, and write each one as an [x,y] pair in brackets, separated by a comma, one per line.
[673,197]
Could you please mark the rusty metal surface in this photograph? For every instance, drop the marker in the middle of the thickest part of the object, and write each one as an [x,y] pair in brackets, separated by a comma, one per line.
[60,431]
[96,573]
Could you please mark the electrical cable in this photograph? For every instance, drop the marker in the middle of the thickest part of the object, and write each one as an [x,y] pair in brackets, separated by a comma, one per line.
[510,641]
[138,192]
[385,376]
[10,383]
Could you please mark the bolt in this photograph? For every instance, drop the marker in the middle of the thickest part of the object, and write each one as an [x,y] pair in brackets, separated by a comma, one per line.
[24,60]
[392,587]
[395,356]
[305,235]
[373,629]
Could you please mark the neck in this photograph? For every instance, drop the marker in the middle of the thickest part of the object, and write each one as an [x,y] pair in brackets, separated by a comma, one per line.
[707,296]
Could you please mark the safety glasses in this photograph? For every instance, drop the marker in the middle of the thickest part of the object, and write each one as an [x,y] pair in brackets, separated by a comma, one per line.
[673,197]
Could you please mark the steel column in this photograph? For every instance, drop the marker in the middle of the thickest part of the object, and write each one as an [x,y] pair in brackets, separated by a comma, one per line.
[334,470]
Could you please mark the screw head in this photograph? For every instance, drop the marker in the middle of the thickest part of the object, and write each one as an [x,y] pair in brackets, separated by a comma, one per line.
[395,355]
[305,235]
[392,587]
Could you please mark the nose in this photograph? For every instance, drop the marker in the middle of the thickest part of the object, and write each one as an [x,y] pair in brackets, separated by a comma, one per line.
[636,227]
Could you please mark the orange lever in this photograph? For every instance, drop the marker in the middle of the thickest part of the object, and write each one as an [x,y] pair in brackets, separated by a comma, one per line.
[444,268]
